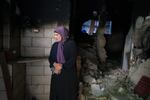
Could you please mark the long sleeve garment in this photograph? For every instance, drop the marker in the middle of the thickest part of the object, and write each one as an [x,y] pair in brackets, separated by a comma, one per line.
[65,85]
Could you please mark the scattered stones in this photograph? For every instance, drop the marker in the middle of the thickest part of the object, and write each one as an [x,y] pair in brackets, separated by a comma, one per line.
[115,85]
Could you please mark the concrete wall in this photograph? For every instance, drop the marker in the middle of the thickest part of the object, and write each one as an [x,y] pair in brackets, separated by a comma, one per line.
[18,76]
[38,74]
[37,44]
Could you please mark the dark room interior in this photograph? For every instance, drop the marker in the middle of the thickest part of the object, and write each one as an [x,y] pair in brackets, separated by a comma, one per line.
[113,47]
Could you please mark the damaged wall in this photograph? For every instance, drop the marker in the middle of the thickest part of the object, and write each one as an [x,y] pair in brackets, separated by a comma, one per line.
[4,19]
[3,94]
[16,36]
[10,44]
[1,33]
[137,48]
[138,28]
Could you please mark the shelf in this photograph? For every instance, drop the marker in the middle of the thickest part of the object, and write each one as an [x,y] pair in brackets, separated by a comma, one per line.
[27,60]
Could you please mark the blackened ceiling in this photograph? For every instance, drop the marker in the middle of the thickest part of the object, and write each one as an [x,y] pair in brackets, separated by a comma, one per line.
[44,9]
[49,9]
[119,11]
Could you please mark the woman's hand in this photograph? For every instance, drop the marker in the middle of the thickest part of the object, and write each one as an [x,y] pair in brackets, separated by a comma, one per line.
[58,67]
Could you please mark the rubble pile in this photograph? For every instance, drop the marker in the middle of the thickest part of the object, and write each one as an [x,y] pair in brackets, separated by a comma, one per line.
[101,79]
[115,85]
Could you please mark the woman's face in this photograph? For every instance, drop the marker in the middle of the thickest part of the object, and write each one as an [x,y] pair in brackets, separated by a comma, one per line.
[57,37]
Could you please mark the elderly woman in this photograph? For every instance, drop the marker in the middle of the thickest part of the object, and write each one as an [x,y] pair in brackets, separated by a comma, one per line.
[62,63]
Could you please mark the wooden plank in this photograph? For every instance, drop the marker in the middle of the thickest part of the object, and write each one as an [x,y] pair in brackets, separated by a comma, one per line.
[6,76]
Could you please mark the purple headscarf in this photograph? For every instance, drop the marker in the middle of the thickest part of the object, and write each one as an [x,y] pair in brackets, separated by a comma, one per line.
[64,32]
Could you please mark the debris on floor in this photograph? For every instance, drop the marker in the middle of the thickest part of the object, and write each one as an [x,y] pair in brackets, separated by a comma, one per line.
[115,85]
